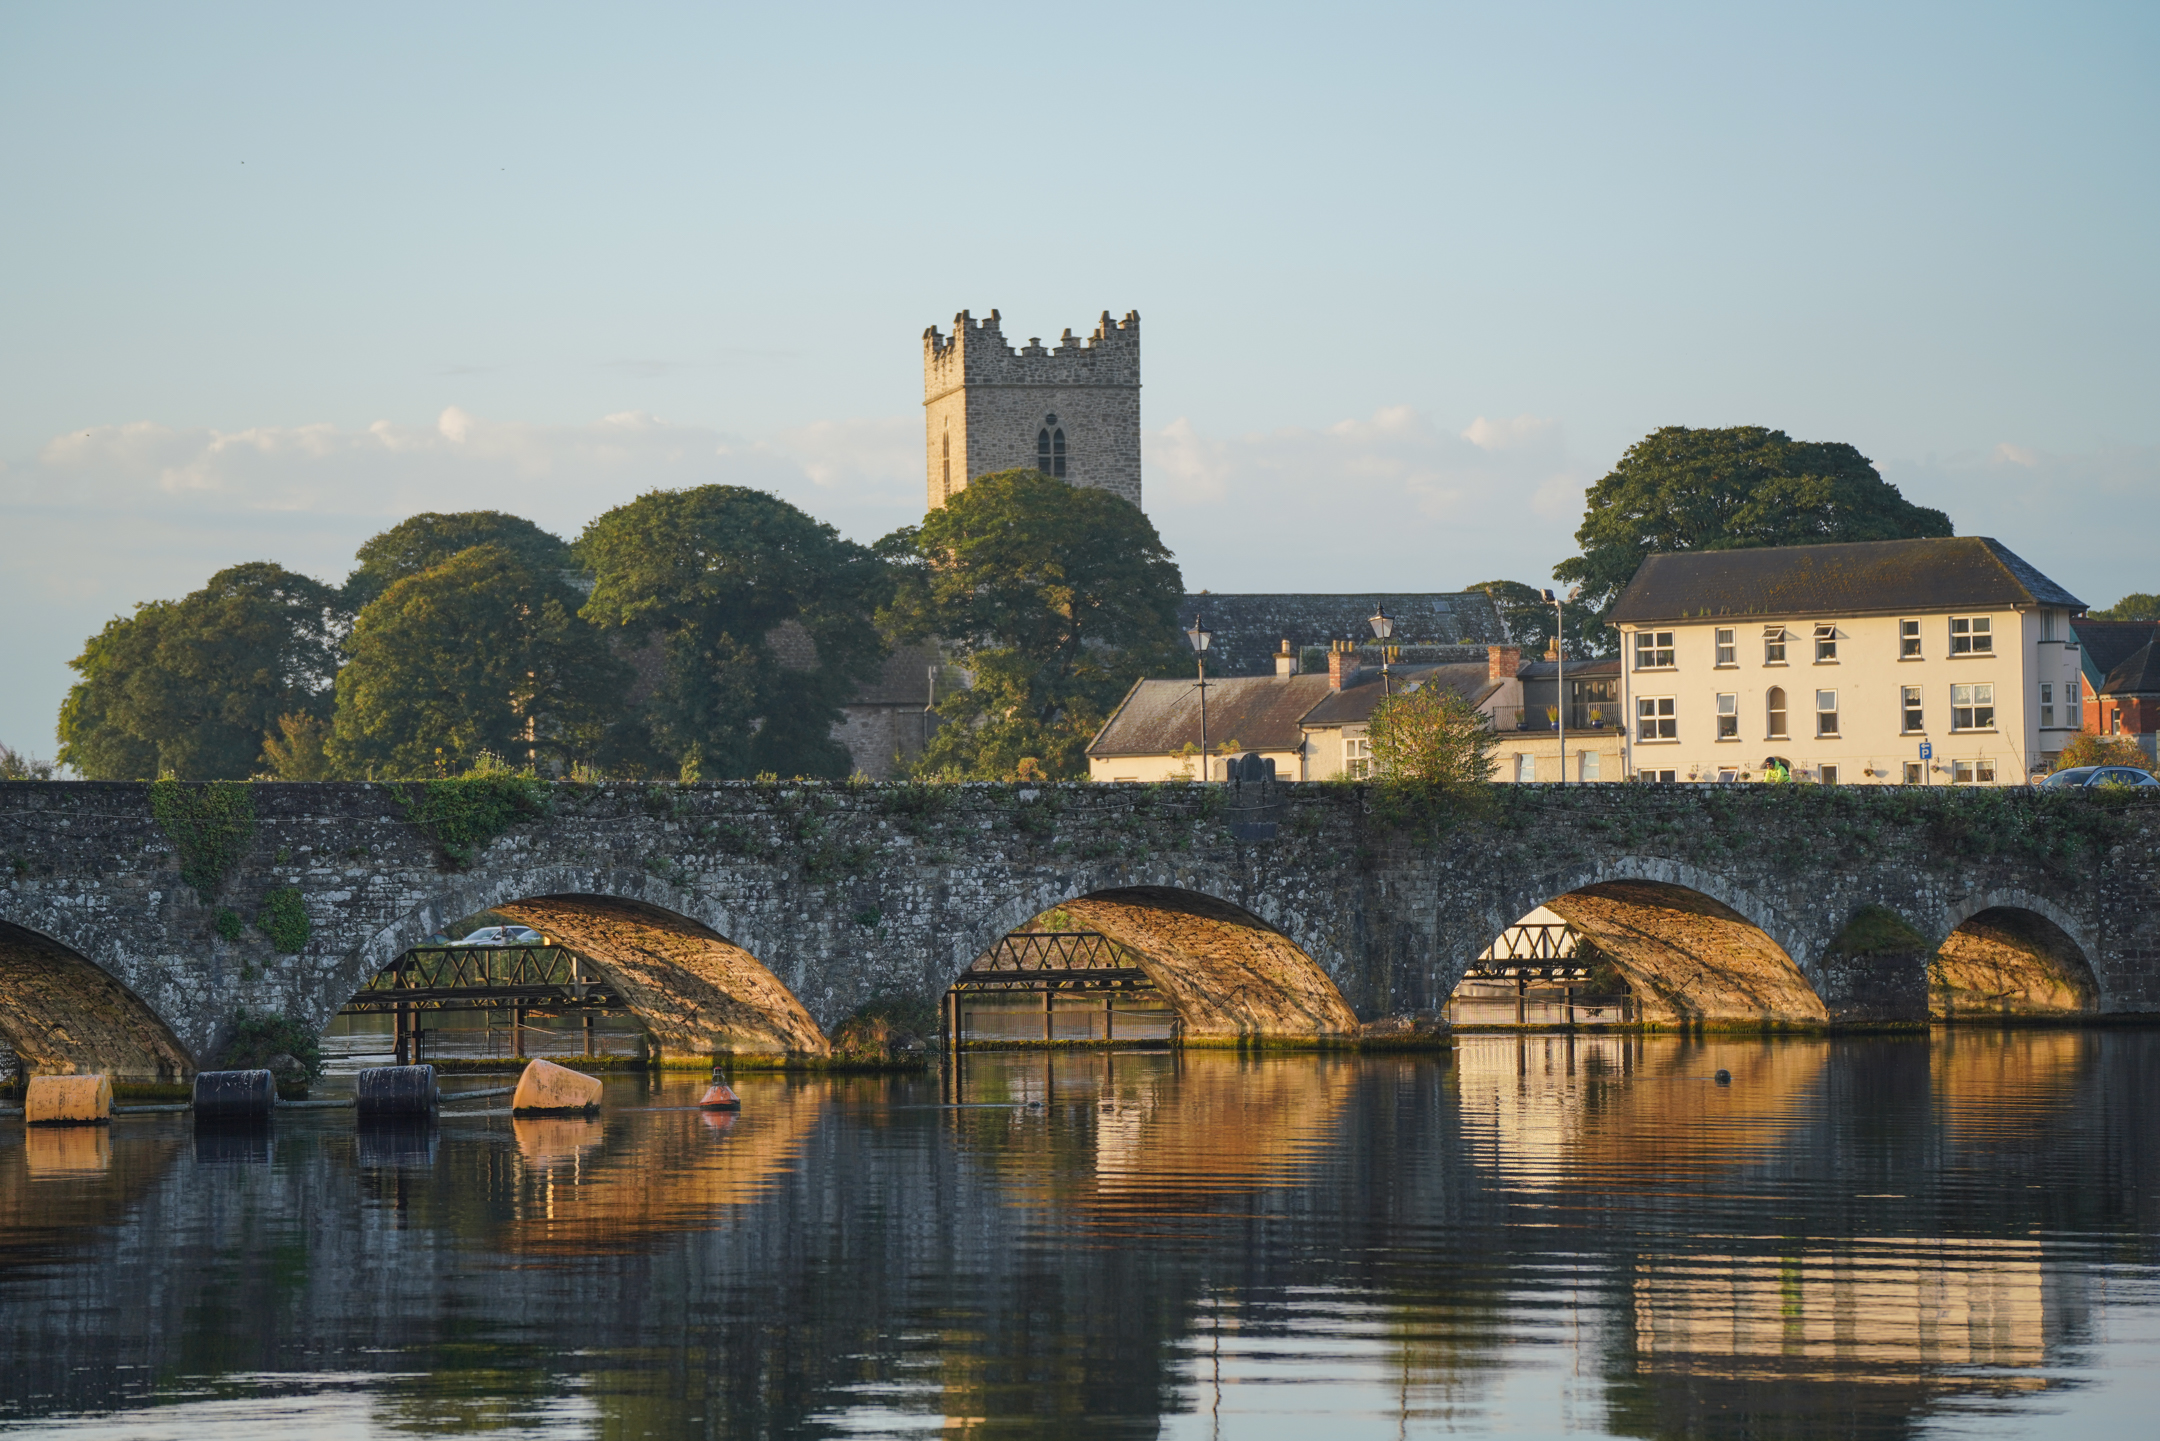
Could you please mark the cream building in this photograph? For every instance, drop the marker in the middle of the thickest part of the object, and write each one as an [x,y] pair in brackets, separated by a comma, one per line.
[1916,662]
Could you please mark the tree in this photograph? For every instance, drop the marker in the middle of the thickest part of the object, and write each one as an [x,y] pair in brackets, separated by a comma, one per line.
[2089,749]
[192,686]
[2135,606]
[1529,618]
[430,538]
[480,653]
[15,766]
[1430,736]
[1682,489]
[1058,598]
[703,582]
[298,750]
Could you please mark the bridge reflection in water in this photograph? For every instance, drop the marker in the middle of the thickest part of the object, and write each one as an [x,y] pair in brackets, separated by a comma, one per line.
[1574,1232]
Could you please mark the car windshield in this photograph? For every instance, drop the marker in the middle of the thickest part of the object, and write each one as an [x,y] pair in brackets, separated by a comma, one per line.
[2075,776]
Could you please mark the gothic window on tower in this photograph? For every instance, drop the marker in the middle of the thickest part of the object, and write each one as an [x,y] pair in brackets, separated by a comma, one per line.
[1050,448]
[945,481]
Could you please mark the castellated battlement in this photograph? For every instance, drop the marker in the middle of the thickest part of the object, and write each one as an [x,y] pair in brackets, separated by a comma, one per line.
[977,353]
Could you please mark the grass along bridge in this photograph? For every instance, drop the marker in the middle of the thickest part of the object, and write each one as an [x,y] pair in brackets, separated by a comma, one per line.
[138,922]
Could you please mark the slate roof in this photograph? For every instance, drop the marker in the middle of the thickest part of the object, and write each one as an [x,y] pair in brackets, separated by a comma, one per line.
[1355,702]
[2139,674]
[2106,644]
[1879,577]
[1248,628]
[1159,717]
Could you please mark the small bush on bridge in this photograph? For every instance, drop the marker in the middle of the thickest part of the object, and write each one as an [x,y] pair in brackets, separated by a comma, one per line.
[210,826]
[283,918]
[465,813]
[261,1037]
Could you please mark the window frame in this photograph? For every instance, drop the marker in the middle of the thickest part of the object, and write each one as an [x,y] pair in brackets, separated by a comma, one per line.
[1588,766]
[1826,639]
[1974,705]
[1832,714]
[1979,635]
[1826,775]
[1977,772]
[1725,647]
[1915,773]
[1909,640]
[1774,640]
[1728,716]
[1912,710]
[1783,730]
[1663,715]
[1357,757]
[2047,705]
[1655,643]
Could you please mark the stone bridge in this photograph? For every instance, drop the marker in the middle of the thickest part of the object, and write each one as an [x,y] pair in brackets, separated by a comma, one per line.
[138,922]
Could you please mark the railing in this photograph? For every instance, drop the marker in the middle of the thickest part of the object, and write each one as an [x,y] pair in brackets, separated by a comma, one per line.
[1591,719]
[486,977]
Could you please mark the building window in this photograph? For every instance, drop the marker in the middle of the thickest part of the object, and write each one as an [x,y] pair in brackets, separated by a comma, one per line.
[1664,777]
[1654,718]
[1728,717]
[1654,650]
[1825,644]
[1728,775]
[2047,626]
[1972,707]
[2047,705]
[1356,757]
[2115,719]
[1050,447]
[1826,774]
[1728,651]
[2074,705]
[1972,773]
[1908,640]
[1971,635]
[1774,703]
[1916,773]
[1589,765]
[1911,709]
[1773,645]
[1826,713]
[1525,767]
[945,480]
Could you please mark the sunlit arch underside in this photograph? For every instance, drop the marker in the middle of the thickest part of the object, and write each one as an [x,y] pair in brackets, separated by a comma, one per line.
[1229,975]
[696,992]
[2008,961]
[1690,958]
[63,1016]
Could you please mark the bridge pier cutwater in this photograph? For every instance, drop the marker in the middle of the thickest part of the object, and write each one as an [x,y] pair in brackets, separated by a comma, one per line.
[751,919]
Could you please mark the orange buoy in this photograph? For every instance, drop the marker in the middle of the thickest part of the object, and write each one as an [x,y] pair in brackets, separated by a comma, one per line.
[718,1096]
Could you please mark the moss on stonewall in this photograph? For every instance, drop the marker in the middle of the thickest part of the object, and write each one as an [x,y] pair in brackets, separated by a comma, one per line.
[283,918]
[210,826]
[463,814]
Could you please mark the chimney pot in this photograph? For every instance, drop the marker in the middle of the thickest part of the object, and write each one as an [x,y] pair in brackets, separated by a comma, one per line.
[1342,663]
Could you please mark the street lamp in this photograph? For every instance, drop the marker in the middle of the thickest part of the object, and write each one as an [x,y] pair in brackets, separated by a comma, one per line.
[1199,636]
[1382,628]
[1559,646]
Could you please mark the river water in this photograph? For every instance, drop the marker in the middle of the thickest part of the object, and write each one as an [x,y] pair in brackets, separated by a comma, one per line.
[1532,1235]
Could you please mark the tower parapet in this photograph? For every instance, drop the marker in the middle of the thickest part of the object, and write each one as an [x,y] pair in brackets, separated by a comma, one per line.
[1072,410]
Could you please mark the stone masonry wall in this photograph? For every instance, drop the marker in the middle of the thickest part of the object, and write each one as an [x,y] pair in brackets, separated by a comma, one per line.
[847,893]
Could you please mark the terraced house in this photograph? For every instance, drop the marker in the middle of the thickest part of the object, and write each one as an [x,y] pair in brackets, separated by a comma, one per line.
[1897,662]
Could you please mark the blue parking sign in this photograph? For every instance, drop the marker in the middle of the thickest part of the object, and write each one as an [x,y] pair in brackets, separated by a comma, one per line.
[1927,750]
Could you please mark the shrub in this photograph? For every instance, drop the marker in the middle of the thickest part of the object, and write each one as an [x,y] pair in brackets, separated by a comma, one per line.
[283,918]
[2100,750]
[260,1037]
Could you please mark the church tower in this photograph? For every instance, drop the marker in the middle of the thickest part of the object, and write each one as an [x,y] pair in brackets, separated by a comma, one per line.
[1072,412]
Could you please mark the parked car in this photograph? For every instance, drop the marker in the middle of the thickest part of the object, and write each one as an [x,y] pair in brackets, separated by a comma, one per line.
[504,936]
[2077,776]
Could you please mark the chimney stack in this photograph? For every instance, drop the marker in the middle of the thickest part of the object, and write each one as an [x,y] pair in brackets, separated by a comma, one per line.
[1285,662]
[1502,661]
[1342,663]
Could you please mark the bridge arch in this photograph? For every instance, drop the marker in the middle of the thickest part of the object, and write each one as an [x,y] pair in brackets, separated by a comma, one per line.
[1696,948]
[1230,974]
[2009,953]
[679,961]
[61,1013]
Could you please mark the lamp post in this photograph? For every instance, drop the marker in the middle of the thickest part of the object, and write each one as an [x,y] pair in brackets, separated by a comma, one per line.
[1559,646]
[1382,628]
[1199,637]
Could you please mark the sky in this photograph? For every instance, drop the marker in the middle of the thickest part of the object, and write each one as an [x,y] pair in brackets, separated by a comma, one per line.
[1411,277]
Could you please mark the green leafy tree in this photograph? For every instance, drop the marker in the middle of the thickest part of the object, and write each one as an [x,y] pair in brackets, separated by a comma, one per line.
[481,653]
[710,586]
[1529,618]
[191,687]
[426,540]
[16,766]
[1431,736]
[1058,596]
[1682,489]
[2135,606]
[2089,749]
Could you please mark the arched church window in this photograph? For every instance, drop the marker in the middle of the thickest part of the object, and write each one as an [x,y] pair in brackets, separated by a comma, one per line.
[1050,447]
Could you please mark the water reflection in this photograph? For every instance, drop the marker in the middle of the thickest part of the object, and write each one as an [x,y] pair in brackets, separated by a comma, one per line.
[1534,1233]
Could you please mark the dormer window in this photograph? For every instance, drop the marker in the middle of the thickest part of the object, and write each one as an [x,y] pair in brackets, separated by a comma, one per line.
[1050,448]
